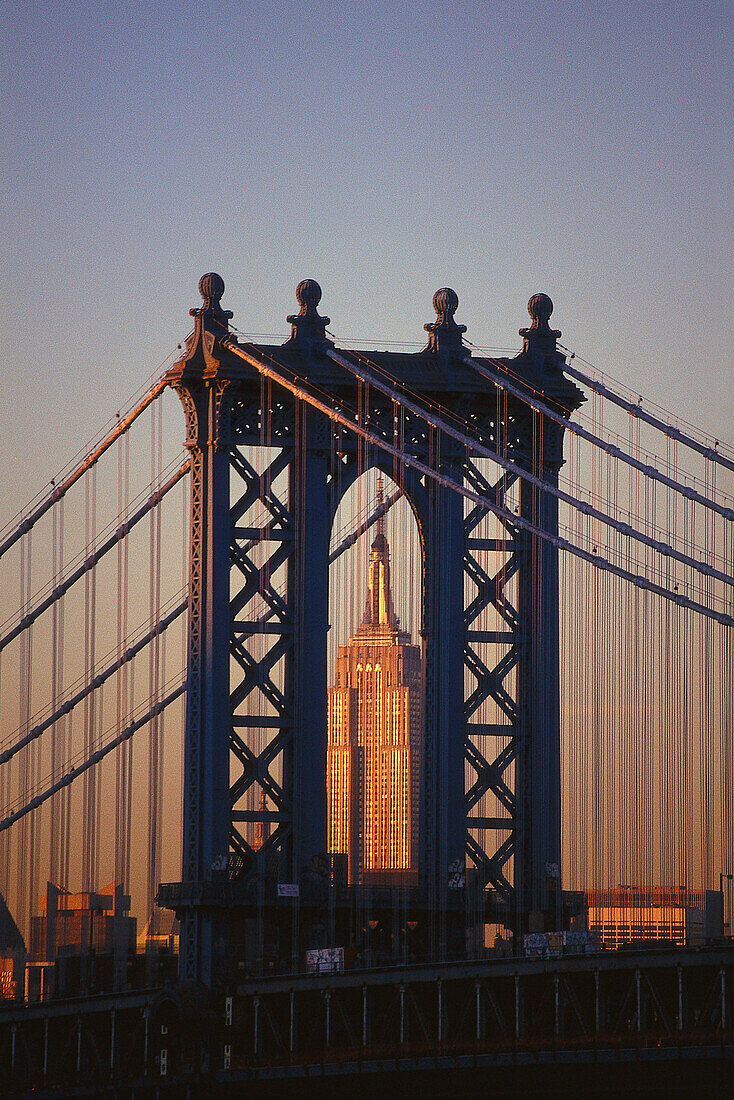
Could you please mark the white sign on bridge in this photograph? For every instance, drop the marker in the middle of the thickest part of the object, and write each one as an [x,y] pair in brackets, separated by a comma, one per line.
[326,960]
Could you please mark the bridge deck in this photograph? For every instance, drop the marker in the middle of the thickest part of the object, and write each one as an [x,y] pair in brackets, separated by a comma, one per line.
[482,1022]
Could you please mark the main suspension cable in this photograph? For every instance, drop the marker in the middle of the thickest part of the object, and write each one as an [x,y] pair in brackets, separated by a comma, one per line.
[95,757]
[121,532]
[60,490]
[497,376]
[713,454]
[485,452]
[93,684]
[300,389]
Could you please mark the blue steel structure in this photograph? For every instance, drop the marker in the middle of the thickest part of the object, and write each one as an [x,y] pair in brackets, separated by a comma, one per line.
[257,651]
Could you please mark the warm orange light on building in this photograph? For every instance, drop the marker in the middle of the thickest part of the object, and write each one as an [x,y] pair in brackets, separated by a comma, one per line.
[375,732]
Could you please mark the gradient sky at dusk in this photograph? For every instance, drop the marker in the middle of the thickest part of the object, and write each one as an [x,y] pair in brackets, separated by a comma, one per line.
[385,149]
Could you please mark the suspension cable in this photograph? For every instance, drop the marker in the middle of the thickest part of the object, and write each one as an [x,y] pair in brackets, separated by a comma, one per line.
[60,490]
[94,759]
[702,445]
[299,389]
[122,531]
[497,376]
[93,684]
[348,542]
[545,486]
[711,453]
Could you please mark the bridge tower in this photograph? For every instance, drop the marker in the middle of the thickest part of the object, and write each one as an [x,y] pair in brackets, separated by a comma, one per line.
[264,494]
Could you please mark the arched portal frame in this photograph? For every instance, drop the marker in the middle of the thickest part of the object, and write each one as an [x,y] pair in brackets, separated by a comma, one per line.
[438,515]
[412,489]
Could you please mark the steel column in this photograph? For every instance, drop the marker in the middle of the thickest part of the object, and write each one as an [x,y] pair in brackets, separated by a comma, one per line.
[202,382]
[309,599]
[443,829]
[539,755]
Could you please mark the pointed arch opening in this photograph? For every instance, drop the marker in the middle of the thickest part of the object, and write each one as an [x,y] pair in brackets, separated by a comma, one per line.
[375,684]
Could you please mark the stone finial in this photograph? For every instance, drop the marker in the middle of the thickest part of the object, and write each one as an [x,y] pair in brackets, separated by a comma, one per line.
[211,287]
[206,354]
[540,338]
[540,307]
[214,318]
[308,295]
[446,303]
[444,333]
[308,327]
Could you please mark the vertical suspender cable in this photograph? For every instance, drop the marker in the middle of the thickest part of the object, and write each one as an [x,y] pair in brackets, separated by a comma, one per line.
[4,799]
[89,840]
[64,724]
[33,753]
[123,762]
[160,663]
[186,512]
[119,716]
[26,766]
[154,776]
[56,687]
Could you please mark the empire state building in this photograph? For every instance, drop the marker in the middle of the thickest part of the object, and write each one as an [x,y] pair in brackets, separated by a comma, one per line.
[375,733]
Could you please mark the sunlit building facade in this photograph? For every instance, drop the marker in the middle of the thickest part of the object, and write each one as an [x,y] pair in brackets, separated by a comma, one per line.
[375,733]
[628,914]
[77,924]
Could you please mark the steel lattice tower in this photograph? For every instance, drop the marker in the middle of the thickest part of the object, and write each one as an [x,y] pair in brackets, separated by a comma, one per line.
[274,637]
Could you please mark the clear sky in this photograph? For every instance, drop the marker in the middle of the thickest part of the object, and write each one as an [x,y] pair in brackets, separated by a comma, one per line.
[384,148]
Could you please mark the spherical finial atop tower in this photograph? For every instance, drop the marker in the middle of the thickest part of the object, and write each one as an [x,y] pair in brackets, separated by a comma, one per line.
[211,287]
[308,294]
[308,327]
[445,303]
[540,308]
[540,334]
[444,333]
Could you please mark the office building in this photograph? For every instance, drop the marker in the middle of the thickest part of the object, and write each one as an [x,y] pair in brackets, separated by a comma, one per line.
[83,923]
[674,914]
[375,733]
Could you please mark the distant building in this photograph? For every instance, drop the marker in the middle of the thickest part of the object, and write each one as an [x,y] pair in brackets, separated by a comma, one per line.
[375,734]
[262,828]
[12,954]
[627,914]
[161,935]
[84,923]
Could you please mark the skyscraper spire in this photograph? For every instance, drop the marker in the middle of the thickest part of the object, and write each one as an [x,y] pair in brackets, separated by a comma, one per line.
[380,505]
[379,611]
